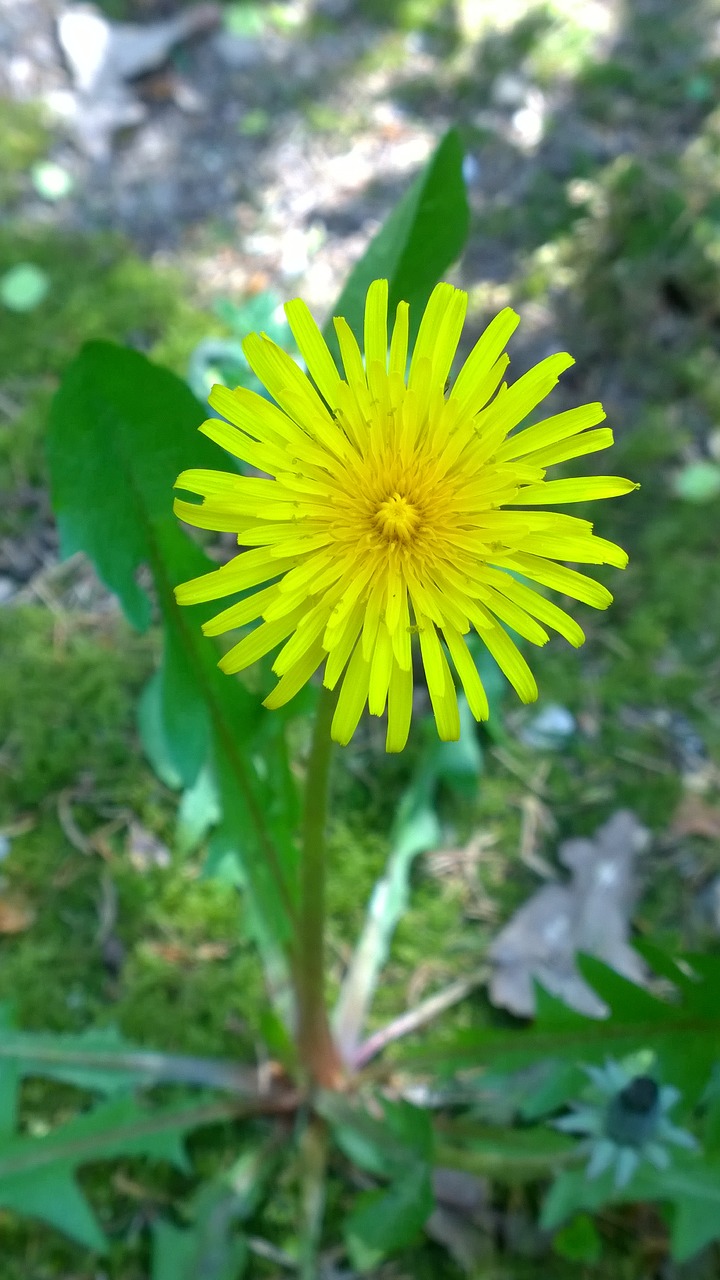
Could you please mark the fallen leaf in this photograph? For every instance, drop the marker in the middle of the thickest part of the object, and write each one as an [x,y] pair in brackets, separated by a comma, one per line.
[695,817]
[183,953]
[16,914]
[144,849]
[591,914]
[105,58]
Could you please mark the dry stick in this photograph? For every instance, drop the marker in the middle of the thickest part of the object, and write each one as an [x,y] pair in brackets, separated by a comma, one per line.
[418,1017]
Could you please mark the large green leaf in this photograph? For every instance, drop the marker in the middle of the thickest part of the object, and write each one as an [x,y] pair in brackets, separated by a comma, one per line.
[637,1020]
[37,1174]
[121,430]
[210,1247]
[691,1185]
[102,1061]
[505,1154]
[424,234]
[400,1148]
[382,1222]
[188,1253]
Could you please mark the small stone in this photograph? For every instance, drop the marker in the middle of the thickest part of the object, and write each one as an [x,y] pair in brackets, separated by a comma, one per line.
[549,729]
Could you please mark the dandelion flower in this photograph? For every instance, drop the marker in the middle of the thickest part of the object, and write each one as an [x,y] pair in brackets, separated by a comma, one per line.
[624,1120]
[394,509]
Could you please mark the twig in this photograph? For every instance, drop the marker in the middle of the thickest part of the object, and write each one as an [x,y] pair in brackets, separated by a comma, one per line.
[69,825]
[270,1253]
[419,1017]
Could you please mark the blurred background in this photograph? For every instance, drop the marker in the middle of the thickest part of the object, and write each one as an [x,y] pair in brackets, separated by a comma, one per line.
[169,174]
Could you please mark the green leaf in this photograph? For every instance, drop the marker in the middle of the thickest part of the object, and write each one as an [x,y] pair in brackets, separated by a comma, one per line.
[103,1062]
[95,1060]
[695,1194]
[121,430]
[37,1174]
[52,1195]
[423,235]
[399,1147]
[508,1155]
[637,1020]
[382,1222]
[385,1148]
[690,1184]
[210,1248]
[460,763]
[199,811]
[579,1241]
[9,1079]
[205,1250]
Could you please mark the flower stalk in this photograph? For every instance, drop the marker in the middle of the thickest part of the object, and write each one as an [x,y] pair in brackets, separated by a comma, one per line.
[316,1049]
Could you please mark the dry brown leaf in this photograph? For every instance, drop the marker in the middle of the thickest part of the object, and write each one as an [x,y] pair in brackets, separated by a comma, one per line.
[16,913]
[183,953]
[695,817]
[144,849]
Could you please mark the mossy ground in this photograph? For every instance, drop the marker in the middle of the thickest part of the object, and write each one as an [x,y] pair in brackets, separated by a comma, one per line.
[629,262]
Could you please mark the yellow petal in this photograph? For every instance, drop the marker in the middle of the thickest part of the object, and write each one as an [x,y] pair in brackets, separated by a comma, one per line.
[468,673]
[552,430]
[245,570]
[238,615]
[400,700]
[375,336]
[439,334]
[560,578]
[209,516]
[510,660]
[445,705]
[432,656]
[350,351]
[296,678]
[537,605]
[258,643]
[352,699]
[311,625]
[381,664]
[266,457]
[471,384]
[253,414]
[575,447]
[341,645]
[313,349]
[399,341]
[584,489]
[516,617]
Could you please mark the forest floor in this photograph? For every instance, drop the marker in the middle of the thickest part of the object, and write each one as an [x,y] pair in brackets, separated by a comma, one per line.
[270,150]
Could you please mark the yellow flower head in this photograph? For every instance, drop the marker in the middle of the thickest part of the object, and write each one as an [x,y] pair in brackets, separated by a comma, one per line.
[394,510]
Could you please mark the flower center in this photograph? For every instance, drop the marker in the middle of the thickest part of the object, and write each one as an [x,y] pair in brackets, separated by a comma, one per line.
[397,519]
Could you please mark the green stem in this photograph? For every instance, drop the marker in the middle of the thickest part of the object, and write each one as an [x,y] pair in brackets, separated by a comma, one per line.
[313,1156]
[316,1049]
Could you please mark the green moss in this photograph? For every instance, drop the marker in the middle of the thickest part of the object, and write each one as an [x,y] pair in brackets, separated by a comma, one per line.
[66,702]
[99,288]
[24,138]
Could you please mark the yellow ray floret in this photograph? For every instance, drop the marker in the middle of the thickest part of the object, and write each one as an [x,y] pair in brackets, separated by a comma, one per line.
[392,509]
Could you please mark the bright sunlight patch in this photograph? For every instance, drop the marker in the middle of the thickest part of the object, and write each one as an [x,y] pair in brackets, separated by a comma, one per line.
[395,509]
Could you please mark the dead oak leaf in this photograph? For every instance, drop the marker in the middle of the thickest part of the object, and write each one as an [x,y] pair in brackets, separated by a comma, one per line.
[695,817]
[184,953]
[16,914]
